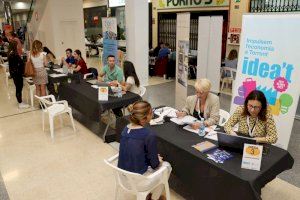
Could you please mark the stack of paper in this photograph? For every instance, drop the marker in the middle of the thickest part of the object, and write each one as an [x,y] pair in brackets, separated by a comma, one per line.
[212,136]
[166,111]
[184,120]
[57,75]
[60,70]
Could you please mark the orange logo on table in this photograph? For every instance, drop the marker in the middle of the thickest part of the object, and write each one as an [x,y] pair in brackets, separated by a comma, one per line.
[253,150]
[103,90]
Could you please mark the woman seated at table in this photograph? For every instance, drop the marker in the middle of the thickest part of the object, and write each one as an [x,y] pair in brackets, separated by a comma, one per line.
[202,105]
[254,119]
[80,65]
[138,146]
[132,82]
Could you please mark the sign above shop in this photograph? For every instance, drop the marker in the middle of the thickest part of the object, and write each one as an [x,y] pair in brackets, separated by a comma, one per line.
[167,4]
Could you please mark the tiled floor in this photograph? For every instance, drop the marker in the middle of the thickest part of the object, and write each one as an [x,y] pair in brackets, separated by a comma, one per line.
[71,166]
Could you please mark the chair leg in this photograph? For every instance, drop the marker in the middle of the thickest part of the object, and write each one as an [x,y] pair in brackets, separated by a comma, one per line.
[141,196]
[117,192]
[43,119]
[51,121]
[72,121]
[31,96]
[167,190]
[61,121]
[222,87]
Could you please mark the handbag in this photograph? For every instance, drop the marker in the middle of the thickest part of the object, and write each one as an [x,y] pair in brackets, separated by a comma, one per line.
[29,69]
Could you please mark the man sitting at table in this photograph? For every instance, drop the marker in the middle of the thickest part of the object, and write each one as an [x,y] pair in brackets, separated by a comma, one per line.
[70,60]
[111,72]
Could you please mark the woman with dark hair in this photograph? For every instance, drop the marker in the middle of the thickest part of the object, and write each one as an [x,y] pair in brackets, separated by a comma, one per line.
[231,61]
[132,82]
[16,70]
[80,65]
[254,119]
[49,55]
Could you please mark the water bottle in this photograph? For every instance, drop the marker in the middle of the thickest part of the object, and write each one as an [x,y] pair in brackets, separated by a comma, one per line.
[201,128]
[119,93]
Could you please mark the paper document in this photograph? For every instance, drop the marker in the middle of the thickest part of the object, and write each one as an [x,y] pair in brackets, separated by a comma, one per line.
[57,75]
[212,136]
[166,111]
[189,128]
[157,121]
[60,70]
[185,120]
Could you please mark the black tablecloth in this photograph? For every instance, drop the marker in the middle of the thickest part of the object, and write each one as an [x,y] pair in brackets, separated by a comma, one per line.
[51,80]
[84,98]
[206,179]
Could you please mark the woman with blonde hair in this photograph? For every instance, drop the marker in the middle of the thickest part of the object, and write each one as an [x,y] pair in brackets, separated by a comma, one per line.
[138,150]
[38,58]
[202,105]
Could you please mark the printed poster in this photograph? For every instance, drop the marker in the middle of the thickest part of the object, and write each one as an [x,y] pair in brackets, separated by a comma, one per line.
[110,43]
[269,61]
[183,62]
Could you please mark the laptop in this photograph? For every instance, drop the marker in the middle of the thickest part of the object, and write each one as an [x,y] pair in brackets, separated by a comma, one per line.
[234,142]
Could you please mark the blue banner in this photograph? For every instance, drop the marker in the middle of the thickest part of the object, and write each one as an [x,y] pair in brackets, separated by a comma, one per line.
[110,47]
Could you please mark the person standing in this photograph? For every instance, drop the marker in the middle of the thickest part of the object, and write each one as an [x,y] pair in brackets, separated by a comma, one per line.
[38,58]
[11,36]
[16,70]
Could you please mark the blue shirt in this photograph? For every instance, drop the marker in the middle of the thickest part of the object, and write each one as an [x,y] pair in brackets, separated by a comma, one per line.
[163,52]
[70,60]
[138,150]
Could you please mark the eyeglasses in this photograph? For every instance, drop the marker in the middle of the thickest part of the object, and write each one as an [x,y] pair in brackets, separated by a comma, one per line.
[256,108]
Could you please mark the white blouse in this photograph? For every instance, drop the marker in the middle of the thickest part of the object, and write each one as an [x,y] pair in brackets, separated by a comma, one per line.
[38,61]
[133,88]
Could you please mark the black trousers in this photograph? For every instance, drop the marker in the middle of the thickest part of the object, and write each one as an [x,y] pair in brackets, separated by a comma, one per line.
[18,81]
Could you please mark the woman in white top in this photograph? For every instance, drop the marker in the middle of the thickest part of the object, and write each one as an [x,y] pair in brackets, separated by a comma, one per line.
[38,58]
[132,82]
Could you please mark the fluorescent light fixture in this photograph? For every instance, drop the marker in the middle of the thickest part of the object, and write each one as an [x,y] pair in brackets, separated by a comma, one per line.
[118,3]
[20,5]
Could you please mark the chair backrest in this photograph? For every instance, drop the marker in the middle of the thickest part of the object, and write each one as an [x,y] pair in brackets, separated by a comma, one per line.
[143,91]
[1,60]
[127,180]
[44,102]
[224,116]
[229,72]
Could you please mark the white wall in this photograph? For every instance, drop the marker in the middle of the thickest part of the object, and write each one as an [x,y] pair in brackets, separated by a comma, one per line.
[137,24]
[48,29]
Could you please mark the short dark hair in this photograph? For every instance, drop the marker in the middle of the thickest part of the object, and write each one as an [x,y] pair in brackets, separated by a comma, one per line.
[259,96]
[110,56]
[70,50]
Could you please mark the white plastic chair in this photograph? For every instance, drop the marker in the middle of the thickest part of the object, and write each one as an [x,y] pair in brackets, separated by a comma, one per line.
[31,87]
[100,50]
[224,116]
[143,91]
[229,76]
[86,75]
[138,184]
[54,108]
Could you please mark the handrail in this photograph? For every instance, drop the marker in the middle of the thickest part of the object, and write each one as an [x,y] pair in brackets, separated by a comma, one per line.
[30,11]
[274,6]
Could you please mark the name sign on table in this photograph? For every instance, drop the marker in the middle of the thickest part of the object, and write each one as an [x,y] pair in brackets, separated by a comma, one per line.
[252,157]
[103,93]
